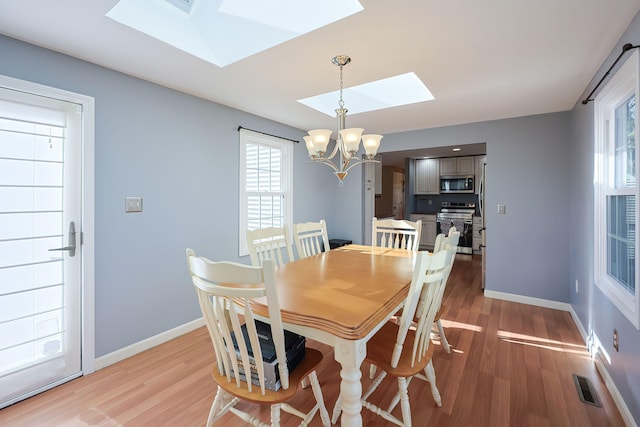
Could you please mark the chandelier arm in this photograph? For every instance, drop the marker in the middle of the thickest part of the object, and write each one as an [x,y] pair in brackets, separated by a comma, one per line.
[344,164]
[335,150]
[324,161]
[359,161]
[356,162]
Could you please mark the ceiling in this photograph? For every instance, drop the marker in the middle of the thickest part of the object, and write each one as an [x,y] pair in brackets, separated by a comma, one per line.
[482,60]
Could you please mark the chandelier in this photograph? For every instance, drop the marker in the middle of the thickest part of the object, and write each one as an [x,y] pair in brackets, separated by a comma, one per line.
[347,142]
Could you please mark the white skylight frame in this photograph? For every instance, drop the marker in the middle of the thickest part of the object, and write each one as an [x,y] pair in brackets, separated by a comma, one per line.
[216,30]
[394,91]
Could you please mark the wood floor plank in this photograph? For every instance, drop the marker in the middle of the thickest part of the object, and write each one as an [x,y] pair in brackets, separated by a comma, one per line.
[556,404]
[480,407]
[534,392]
[500,402]
[490,345]
[510,365]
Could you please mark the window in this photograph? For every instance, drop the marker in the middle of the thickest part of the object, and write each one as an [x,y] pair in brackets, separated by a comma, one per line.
[616,190]
[265,183]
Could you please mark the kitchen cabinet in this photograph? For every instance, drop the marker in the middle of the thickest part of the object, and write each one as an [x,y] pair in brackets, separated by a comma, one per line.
[452,166]
[427,176]
[429,229]
[477,234]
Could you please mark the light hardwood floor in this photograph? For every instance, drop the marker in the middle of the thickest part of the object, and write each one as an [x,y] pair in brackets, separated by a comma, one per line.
[511,365]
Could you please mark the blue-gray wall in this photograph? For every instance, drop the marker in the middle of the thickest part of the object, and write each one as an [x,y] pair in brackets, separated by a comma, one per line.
[596,313]
[528,247]
[178,152]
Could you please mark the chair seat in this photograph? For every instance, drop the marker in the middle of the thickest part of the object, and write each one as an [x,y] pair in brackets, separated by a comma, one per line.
[312,359]
[378,352]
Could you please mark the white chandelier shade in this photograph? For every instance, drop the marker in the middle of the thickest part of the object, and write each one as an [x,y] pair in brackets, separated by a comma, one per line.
[348,140]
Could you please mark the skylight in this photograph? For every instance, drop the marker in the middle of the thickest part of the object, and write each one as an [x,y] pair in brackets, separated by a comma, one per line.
[386,93]
[225,31]
[184,5]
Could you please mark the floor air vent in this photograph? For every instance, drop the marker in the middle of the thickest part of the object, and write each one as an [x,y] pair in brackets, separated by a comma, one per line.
[585,390]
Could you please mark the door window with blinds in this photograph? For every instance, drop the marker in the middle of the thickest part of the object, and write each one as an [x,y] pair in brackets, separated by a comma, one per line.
[40,174]
[616,190]
[265,183]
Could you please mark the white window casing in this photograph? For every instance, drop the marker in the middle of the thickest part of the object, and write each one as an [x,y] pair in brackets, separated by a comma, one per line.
[266,184]
[615,186]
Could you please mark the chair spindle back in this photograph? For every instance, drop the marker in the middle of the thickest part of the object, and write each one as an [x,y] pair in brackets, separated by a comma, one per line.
[311,238]
[269,243]
[397,234]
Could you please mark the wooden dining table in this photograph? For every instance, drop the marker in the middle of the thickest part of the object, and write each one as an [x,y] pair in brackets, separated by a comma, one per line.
[341,298]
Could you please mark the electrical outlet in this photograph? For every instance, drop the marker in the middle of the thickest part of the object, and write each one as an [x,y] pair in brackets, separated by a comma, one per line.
[502,209]
[615,339]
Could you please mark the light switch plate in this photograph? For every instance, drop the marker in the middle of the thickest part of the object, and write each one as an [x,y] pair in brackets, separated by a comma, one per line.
[133,204]
[502,209]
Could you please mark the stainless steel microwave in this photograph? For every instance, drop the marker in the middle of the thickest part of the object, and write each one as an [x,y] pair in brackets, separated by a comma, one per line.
[457,184]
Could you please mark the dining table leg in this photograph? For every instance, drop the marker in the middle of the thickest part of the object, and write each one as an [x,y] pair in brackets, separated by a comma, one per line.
[350,354]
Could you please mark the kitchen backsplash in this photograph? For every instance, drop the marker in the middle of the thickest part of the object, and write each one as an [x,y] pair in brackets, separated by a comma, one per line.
[430,204]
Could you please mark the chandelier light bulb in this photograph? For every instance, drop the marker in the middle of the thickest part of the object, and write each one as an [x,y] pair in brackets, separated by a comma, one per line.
[320,138]
[310,148]
[371,144]
[351,140]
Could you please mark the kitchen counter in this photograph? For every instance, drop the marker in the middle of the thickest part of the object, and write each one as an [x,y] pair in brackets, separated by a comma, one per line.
[476,213]
[425,213]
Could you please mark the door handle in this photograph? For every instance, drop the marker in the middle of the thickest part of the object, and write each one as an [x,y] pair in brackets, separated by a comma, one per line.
[72,241]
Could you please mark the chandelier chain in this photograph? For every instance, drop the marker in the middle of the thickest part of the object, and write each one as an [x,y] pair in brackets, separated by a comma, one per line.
[341,102]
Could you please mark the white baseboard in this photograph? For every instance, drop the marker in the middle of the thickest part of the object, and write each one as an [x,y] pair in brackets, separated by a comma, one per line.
[615,393]
[133,349]
[538,302]
[579,325]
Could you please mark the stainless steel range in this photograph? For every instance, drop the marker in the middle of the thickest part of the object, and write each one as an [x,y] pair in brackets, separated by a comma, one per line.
[460,216]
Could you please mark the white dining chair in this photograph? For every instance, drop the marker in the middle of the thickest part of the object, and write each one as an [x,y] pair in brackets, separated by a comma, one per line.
[228,313]
[269,243]
[404,350]
[450,241]
[396,233]
[311,238]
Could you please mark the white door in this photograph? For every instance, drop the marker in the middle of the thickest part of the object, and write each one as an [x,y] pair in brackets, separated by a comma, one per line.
[40,206]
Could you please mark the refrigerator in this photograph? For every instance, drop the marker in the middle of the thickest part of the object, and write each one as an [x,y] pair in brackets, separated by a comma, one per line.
[483,230]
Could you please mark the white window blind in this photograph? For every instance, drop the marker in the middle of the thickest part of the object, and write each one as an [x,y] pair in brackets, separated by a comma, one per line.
[31,282]
[265,183]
